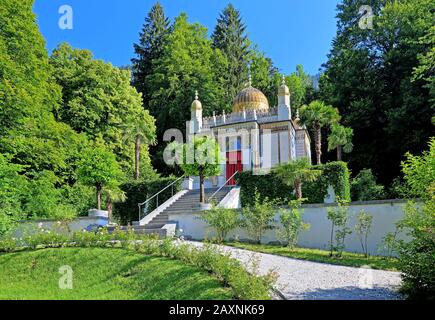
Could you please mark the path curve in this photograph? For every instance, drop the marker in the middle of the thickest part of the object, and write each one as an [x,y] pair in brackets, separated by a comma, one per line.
[306,280]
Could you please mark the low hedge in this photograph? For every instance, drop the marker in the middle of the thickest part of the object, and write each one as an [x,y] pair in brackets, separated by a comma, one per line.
[139,191]
[335,174]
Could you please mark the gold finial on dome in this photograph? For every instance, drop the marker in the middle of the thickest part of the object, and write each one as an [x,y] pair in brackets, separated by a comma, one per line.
[283,80]
[250,79]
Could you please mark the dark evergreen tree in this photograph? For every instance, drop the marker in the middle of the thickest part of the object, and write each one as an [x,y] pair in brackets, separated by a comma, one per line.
[369,77]
[230,37]
[149,48]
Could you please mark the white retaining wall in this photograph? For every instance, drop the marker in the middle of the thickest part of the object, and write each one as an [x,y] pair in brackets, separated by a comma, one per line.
[386,214]
[78,224]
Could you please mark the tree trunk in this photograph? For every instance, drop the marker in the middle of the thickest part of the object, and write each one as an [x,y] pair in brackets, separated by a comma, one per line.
[339,153]
[298,189]
[318,143]
[201,188]
[137,158]
[109,206]
[99,188]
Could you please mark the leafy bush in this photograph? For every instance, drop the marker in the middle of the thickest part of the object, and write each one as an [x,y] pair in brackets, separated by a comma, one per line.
[292,224]
[364,188]
[271,186]
[137,192]
[221,220]
[258,218]
[339,218]
[362,229]
[13,188]
[417,257]
[335,174]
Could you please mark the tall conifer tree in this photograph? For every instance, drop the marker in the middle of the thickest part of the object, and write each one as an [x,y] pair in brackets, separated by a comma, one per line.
[149,48]
[230,37]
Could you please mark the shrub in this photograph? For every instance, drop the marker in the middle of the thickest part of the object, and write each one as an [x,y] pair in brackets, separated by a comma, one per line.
[335,174]
[271,185]
[268,185]
[258,218]
[292,224]
[221,220]
[362,228]
[364,187]
[417,257]
[339,218]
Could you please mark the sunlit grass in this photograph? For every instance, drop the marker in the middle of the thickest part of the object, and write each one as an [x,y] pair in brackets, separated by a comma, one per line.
[109,274]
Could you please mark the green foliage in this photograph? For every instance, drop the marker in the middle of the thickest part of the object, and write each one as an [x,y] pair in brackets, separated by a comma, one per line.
[188,63]
[221,220]
[339,218]
[292,224]
[363,187]
[137,192]
[417,257]
[199,158]
[152,40]
[340,138]
[99,168]
[362,229]
[335,174]
[259,217]
[419,173]
[99,101]
[272,186]
[317,115]
[301,86]
[44,200]
[13,188]
[379,77]
[296,173]
[269,185]
[231,38]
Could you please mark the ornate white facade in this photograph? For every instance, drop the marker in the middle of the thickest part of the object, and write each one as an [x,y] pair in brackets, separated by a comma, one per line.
[254,136]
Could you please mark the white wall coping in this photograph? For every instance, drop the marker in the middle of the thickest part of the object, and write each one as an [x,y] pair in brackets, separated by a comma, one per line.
[162,207]
[231,200]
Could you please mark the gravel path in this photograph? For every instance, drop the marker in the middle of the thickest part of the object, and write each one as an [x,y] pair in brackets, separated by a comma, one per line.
[298,279]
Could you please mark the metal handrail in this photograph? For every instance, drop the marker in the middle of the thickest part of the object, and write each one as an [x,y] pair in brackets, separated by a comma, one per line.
[212,196]
[157,195]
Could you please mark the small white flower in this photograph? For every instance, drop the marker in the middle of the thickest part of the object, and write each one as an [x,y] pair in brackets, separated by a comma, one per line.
[40,225]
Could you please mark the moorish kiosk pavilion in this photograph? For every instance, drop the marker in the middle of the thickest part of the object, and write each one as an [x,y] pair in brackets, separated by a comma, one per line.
[254,136]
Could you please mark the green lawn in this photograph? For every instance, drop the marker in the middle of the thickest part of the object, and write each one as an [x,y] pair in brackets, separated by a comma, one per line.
[98,273]
[348,258]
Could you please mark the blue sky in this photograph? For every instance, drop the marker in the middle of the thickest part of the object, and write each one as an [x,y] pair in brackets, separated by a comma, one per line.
[290,32]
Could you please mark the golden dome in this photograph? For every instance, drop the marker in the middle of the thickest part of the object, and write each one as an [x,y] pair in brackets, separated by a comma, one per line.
[196,104]
[250,98]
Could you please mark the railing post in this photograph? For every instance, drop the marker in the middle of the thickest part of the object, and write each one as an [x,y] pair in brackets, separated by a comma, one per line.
[139,211]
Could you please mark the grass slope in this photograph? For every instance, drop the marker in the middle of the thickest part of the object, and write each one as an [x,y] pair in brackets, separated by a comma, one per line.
[348,259]
[98,273]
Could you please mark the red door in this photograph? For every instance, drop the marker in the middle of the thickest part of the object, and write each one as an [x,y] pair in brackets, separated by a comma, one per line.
[234,164]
